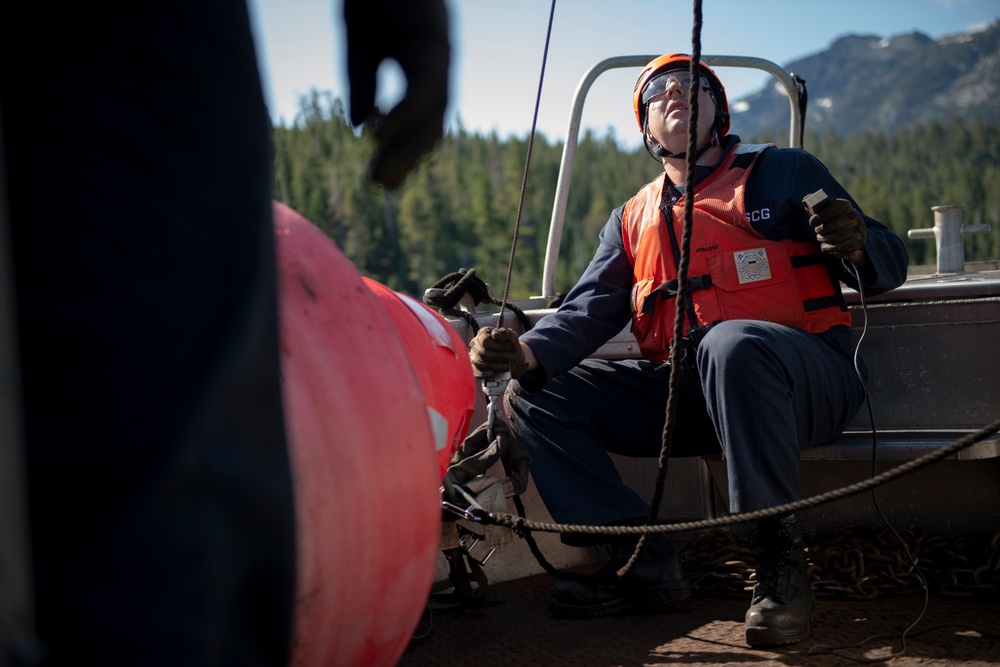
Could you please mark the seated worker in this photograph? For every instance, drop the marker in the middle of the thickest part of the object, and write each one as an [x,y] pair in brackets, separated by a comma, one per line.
[768,363]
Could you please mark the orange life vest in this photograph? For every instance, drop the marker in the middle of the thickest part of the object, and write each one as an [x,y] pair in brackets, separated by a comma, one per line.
[733,271]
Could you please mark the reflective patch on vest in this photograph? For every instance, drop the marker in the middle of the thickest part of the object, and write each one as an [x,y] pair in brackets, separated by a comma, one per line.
[752,265]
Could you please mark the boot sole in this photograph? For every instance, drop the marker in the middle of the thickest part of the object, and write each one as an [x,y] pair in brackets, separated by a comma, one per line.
[760,637]
[766,637]
[645,600]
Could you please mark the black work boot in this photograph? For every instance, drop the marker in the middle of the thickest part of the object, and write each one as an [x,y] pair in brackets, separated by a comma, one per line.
[783,601]
[656,580]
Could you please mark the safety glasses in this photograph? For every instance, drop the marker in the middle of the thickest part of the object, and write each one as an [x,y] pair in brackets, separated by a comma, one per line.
[659,84]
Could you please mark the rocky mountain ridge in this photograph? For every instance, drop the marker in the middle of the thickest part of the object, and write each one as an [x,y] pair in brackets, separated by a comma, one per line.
[871,83]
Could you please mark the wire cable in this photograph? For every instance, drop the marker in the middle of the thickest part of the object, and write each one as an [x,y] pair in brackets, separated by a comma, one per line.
[837,649]
[527,164]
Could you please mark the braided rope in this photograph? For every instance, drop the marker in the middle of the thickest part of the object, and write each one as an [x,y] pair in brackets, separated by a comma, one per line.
[521,525]
[676,346]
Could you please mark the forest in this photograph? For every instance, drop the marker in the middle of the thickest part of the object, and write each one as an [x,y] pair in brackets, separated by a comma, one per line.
[459,208]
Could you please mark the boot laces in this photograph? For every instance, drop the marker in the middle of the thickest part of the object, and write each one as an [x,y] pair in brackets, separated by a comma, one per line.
[772,575]
[772,553]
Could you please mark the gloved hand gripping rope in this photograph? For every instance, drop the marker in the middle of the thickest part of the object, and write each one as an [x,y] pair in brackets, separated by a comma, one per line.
[496,355]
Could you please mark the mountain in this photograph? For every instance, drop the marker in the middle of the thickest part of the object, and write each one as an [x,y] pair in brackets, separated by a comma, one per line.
[870,83]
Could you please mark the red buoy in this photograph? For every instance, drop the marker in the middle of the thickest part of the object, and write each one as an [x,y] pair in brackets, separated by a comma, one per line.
[363,458]
[440,359]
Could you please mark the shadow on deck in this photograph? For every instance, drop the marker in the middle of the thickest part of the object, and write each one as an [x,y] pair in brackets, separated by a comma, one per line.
[515,629]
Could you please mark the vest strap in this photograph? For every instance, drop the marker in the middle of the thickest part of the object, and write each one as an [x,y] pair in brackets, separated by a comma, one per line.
[835,300]
[819,303]
[669,289]
[812,259]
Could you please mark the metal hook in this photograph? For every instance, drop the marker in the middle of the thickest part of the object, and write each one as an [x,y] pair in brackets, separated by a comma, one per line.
[494,389]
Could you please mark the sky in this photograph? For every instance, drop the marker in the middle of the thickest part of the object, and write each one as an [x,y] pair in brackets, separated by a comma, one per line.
[498,48]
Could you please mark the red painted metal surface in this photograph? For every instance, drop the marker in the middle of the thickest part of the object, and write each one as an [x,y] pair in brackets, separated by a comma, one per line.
[363,458]
[440,360]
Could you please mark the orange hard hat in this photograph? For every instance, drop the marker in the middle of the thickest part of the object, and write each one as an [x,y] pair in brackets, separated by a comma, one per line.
[675,61]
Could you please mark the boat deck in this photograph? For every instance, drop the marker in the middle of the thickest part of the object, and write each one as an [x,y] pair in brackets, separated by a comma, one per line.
[515,629]
[950,510]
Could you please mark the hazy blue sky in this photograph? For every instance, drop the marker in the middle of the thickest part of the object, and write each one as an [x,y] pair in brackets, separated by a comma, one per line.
[498,47]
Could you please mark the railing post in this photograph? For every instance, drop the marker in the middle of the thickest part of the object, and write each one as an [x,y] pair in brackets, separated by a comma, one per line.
[948,233]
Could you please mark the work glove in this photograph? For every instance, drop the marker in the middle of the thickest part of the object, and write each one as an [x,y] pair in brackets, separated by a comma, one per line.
[415,34]
[494,351]
[478,453]
[839,229]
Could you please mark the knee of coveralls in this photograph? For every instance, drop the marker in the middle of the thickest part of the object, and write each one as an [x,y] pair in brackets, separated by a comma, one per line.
[771,390]
[570,466]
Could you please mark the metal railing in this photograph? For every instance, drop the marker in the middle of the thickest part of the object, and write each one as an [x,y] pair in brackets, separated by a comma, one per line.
[573,131]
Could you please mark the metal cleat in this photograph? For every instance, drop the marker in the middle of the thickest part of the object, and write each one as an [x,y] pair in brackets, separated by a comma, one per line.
[947,232]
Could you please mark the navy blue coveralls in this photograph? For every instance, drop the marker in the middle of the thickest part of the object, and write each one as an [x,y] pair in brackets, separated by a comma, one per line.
[138,170]
[760,391]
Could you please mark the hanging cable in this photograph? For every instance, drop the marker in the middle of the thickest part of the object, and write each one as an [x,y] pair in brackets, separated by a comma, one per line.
[527,164]
[496,392]
[836,650]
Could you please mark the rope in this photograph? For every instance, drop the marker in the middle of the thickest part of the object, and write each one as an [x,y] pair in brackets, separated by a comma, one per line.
[521,526]
[676,345]
[539,556]
[455,286]
[447,292]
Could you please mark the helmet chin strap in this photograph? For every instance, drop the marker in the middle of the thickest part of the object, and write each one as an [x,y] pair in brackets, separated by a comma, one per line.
[659,152]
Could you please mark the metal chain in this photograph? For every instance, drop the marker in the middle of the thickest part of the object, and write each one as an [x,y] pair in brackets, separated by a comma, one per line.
[855,563]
